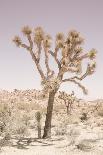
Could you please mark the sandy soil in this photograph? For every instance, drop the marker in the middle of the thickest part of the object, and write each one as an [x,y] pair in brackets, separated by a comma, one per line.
[71,135]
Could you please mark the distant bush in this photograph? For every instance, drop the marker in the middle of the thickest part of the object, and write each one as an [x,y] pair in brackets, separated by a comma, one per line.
[84,117]
[100,112]
[60,132]
[99,109]
[84,145]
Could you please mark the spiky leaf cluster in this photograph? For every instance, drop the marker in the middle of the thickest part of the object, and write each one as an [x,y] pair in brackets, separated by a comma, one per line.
[92,54]
[59,40]
[38,35]
[17,41]
[26,30]
[47,41]
[50,85]
[74,37]
[91,68]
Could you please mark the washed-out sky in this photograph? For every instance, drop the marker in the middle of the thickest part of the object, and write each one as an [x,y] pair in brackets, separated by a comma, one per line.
[16,67]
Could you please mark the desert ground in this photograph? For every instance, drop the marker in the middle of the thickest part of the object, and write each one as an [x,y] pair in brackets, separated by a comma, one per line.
[78,133]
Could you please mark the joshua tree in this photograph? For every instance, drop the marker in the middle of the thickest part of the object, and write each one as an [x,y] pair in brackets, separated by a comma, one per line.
[68,55]
[68,100]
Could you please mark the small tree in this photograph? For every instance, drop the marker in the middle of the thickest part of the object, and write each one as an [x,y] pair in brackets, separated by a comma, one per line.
[68,55]
[68,100]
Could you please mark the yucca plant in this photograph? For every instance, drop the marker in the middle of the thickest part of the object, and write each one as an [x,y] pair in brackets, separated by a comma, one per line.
[38,119]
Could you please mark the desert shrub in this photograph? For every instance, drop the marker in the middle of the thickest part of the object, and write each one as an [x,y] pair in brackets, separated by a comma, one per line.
[23,106]
[100,112]
[2,126]
[28,106]
[84,117]
[84,145]
[13,121]
[5,142]
[99,109]
[18,124]
[60,130]
[20,130]
[26,119]
[5,114]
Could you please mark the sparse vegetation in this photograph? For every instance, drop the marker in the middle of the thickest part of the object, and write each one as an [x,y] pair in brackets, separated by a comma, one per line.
[23,124]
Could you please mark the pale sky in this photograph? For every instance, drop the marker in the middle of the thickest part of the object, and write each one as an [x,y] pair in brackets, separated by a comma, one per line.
[16,67]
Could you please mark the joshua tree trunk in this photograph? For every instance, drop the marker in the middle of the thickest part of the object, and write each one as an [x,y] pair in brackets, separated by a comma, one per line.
[47,128]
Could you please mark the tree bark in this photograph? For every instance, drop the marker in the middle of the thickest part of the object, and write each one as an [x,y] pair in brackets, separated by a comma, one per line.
[47,128]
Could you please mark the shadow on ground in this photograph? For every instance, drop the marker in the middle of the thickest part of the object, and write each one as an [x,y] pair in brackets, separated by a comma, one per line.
[24,143]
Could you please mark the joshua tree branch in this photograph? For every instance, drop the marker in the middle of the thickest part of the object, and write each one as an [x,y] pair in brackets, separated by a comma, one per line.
[56,59]
[25,46]
[39,53]
[74,81]
[30,41]
[38,66]
[73,70]
[47,61]
[82,57]
[88,72]
[80,78]
[34,59]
